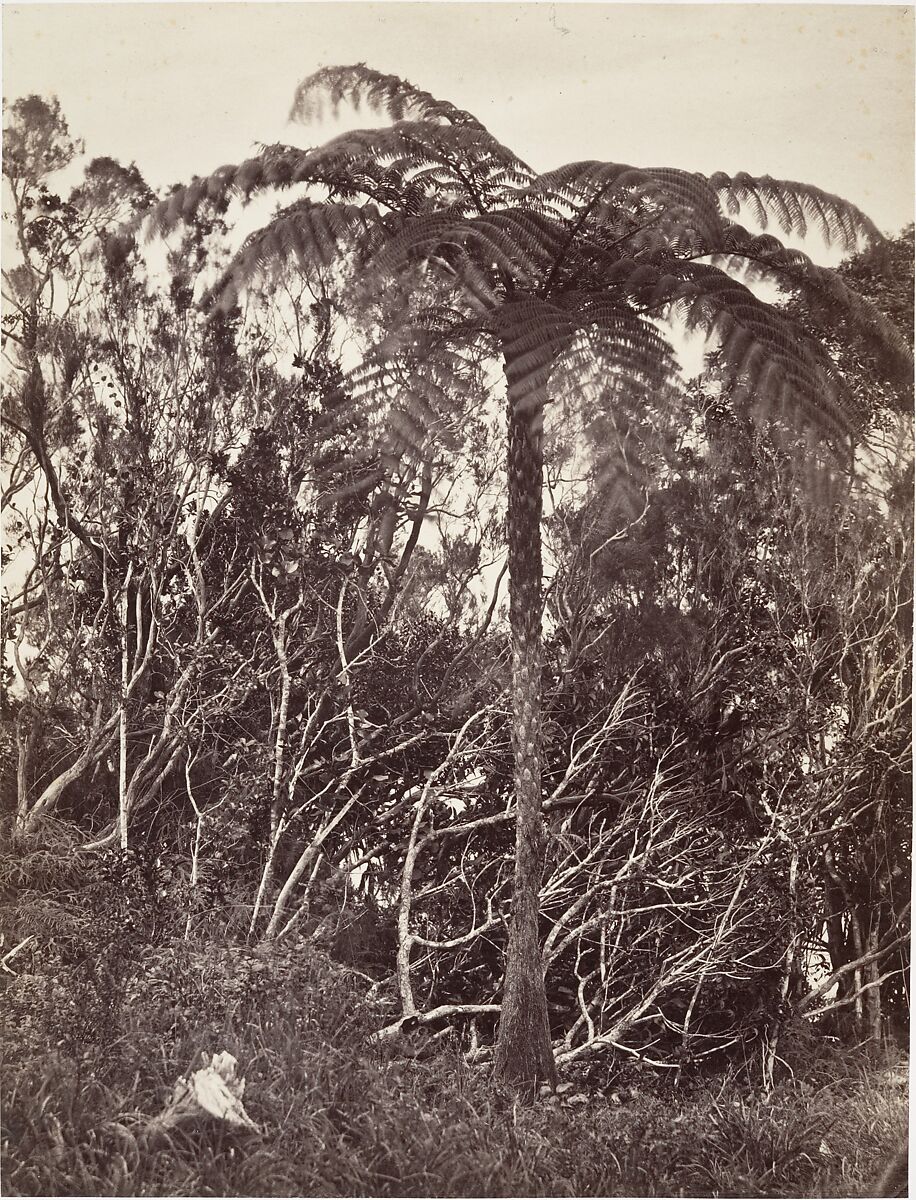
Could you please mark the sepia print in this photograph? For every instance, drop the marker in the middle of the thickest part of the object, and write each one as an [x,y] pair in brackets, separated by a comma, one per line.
[457,599]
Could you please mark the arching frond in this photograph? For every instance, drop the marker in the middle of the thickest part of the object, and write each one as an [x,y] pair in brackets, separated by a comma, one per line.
[315,235]
[401,167]
[547,343]
[765,353]
[827,296]
[616,396]
[770,361]
[469,162]
[387,94]
[795,206]
[342,172]
[475,283]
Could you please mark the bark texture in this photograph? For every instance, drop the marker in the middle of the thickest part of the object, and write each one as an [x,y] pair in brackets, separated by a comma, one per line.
[524,1056]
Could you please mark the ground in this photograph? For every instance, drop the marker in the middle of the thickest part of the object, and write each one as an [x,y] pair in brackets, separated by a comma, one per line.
[89,1064]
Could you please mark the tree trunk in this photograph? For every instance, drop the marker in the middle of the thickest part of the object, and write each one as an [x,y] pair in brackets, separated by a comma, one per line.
[26,739]
[98,741]
[524,1056]
[873,1007]
[122,721]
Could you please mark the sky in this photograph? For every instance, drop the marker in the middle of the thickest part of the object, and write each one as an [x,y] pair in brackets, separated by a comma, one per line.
[818,93]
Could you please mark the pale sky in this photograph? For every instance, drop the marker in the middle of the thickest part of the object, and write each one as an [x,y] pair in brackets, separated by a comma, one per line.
[818,93]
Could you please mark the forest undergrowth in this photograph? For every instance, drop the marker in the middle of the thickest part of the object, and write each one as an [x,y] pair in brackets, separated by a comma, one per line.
[95,1045]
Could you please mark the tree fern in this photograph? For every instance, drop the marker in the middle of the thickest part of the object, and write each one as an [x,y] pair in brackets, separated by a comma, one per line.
[567,275]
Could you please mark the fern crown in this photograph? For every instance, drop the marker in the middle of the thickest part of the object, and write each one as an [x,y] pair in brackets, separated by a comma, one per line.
[590,254]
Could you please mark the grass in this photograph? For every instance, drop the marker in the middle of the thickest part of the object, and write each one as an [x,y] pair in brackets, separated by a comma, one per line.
[89,1062]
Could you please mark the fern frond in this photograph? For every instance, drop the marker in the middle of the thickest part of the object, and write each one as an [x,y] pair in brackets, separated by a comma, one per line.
[315,235]
[693,194]
[388,95]
[467,161]
[545,343]
[399,167]
[611,436]
[521,244]
[746,323]
[770,362]
[410,389]
[44,916]
[685,202]
[470,156]
[620,476]
[795,206]
[533,333]
[275,169]
[568,271]
[627,347]
[764,352]
[828,298]
[477,284]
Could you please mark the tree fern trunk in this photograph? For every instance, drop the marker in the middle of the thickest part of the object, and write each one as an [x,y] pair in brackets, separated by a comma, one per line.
[524,1056]
[122,720]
